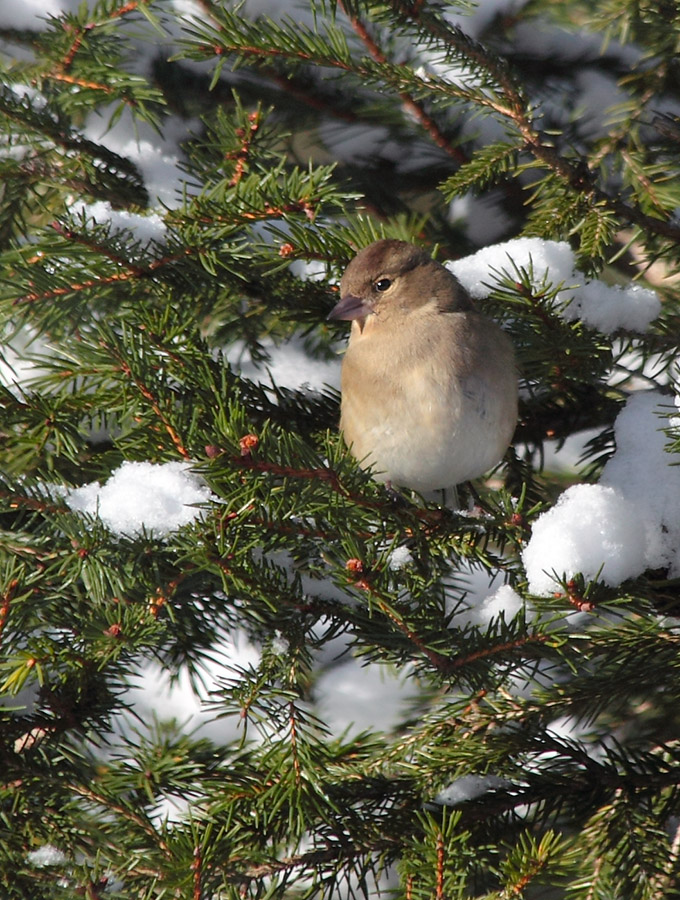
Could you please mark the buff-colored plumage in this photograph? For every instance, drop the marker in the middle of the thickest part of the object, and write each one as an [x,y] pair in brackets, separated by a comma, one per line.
[429,385]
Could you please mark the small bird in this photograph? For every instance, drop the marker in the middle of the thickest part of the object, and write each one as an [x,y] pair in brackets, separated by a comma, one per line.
[428,383]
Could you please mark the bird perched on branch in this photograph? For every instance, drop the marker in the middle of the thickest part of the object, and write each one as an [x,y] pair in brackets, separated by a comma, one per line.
[429,384]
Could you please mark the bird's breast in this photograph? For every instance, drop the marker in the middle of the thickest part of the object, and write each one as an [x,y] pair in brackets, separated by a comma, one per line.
[420,415]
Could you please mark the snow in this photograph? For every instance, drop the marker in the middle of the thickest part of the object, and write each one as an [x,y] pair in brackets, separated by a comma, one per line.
[143,496]
[468,787]
[354,697]
[603,307]
[153,694]
[312,270]
[477,598]
[610,308]
[399,558]
[289,365]
[504,602]
[157,158]
[47,855]
[17,367]
[280,644]
[648,476]
[590,528]
[626,524]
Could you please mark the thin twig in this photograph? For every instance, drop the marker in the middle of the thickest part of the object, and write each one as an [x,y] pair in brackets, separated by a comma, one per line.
[123,811]
[410,105]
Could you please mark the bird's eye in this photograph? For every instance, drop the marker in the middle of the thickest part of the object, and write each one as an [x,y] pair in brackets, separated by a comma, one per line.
[382,284]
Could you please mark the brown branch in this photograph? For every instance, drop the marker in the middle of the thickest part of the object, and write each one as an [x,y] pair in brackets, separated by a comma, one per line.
[6,602]
[317,607]
[73,288]
[146,826]
[444,664]
[441,866]
[268,212]
[430,520]
[597,872]
[410,105]
[80,82]
[286,84]
[434,731]
[208,217]
[439,661]
[311,859]
[461,661]
[17,501]
[295,529]
[242,154]
[643,180]
[197,866]
[330,476]
[80,33]
[327,475]
[148,394]
[128,7]
[92,245]
[33,553]
[514,109]
[67,61]
[132,272]
[269,52]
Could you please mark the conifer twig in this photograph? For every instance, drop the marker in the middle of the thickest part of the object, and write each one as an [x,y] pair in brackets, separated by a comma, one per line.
[578,175]
[5,603]
[108,803]
[154,402]
[410,105]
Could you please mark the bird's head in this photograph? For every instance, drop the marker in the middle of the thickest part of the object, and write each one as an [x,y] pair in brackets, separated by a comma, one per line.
[392,279]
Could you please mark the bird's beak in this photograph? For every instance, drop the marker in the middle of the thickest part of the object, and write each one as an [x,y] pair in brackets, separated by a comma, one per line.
[350,308]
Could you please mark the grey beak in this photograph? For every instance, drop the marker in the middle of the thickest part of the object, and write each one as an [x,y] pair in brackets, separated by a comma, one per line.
[349,308]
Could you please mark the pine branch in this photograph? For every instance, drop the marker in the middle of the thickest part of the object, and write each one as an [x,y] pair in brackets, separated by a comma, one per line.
[410,105]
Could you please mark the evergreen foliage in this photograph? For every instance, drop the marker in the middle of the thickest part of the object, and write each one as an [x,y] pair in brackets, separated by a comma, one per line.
[297,548]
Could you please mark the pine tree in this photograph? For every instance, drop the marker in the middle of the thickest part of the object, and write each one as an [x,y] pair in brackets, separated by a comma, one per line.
[305,136]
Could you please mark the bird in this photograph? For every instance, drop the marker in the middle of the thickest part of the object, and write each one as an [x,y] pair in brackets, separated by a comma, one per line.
[428,384]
